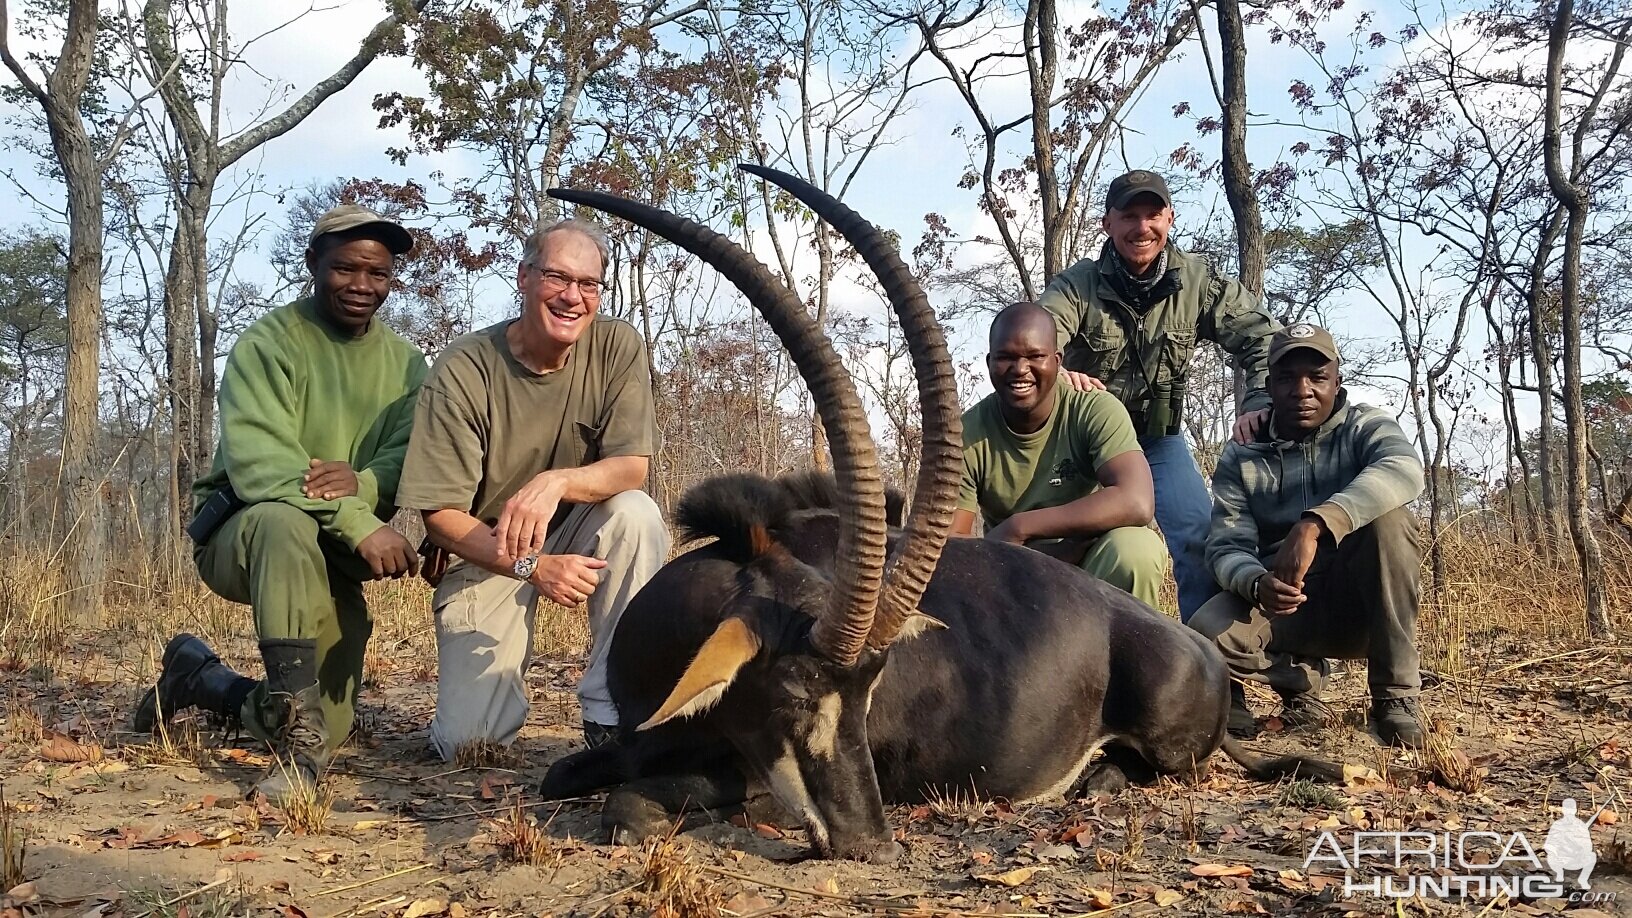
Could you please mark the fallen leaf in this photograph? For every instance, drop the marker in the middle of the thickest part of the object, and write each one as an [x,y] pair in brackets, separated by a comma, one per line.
[455,910]
[292,911]
[1607,818]
[1010,878]
[1360,775]
[488,793]
[59,748]
[247,854]
[1240,907]
[1166,897]
[324,856]
[1100,898]
[369,825]
[23,894]
[1221,870]
[767,831]
[424,908]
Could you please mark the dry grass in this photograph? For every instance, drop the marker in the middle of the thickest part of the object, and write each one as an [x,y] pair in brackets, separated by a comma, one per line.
[307,808]
[180,742]
[23,723]
[1446,764]
[521,839]
[13,846]
[159,902]
[483,753]
[672,886]
[956,807]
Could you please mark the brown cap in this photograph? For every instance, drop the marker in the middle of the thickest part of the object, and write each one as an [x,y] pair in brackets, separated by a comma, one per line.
[1126,187]
[1302,335]
[349,217]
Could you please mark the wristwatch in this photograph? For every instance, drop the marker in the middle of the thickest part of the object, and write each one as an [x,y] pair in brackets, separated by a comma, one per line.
[524,567]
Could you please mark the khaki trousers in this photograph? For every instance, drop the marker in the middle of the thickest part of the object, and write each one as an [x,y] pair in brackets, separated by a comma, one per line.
[1362,606]
[484,623]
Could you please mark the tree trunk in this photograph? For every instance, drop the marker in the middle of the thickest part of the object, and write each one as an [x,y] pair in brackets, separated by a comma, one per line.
[1042,30]
[84,502]
[1573,197]
[182,363]
[1541,347]
[1238,180]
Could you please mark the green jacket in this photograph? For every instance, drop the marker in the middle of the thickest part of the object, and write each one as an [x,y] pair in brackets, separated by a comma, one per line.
[1356,467]
[1148,374]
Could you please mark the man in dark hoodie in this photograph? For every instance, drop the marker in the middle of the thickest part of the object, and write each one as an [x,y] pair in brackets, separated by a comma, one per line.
[1314,546]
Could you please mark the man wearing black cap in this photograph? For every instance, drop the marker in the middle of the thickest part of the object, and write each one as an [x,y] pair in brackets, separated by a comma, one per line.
[1315,548]
[317,400]
[1128,322]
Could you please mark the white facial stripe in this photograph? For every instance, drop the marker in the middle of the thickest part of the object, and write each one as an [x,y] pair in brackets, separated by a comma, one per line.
[788,786]
[823,738]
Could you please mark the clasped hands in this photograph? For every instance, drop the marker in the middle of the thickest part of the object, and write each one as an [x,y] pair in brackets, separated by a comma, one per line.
[1280,589]
[387,552]
[521,531]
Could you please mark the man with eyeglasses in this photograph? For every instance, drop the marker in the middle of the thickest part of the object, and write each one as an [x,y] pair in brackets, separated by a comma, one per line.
[532,440]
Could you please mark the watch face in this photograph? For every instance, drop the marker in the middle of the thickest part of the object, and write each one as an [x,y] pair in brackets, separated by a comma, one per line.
[526,566]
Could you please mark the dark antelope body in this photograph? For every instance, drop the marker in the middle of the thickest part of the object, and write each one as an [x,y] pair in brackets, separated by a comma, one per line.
[817,652]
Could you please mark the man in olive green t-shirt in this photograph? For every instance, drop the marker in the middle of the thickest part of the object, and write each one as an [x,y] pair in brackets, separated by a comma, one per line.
[1056,468]
[531,441]
[316,403]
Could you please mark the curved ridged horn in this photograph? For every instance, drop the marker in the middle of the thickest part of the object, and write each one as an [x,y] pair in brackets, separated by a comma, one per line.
[935,494]
[859,564]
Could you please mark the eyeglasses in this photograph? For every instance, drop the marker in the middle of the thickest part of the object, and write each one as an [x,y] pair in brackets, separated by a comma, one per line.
[555,280]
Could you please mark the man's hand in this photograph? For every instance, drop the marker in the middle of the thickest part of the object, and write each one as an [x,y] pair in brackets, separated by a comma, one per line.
[1278,597]
[1298,551]
[566,580]
[1248,425]
[1081,381]
[329,480]
[389,554]
[1008,531]
[524,523]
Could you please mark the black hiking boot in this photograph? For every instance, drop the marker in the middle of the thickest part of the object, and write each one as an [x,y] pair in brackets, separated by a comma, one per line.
[1398,721]
[301,746]
[190,676]
[1305,711]
[1242,724]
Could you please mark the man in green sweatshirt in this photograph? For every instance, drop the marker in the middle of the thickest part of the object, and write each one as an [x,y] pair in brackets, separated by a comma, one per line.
[1314,546]
[317,402]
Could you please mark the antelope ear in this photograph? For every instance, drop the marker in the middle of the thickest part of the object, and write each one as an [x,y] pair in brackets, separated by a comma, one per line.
[711,672]
[917,623]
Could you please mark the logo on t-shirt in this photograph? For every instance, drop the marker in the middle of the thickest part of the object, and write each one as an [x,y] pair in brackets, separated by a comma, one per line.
[1064,471]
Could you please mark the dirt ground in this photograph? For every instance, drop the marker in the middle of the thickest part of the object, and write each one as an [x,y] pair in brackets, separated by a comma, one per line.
[144,822]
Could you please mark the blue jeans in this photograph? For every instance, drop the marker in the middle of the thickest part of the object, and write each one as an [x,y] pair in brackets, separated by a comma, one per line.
[1183,510]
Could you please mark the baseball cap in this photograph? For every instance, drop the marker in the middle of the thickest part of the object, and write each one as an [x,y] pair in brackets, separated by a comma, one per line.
[347,217]
[1126,187]
[1302,335]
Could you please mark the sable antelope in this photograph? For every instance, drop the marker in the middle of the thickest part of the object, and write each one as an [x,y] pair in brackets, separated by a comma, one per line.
[814,651]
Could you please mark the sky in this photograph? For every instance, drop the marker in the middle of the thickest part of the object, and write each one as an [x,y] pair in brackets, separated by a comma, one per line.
[914,174]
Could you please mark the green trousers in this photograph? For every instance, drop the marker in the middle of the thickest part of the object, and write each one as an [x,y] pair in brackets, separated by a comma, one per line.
[1132,559]
[301,584]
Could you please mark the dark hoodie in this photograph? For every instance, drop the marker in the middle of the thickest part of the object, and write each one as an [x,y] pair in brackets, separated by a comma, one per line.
[1356,467]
